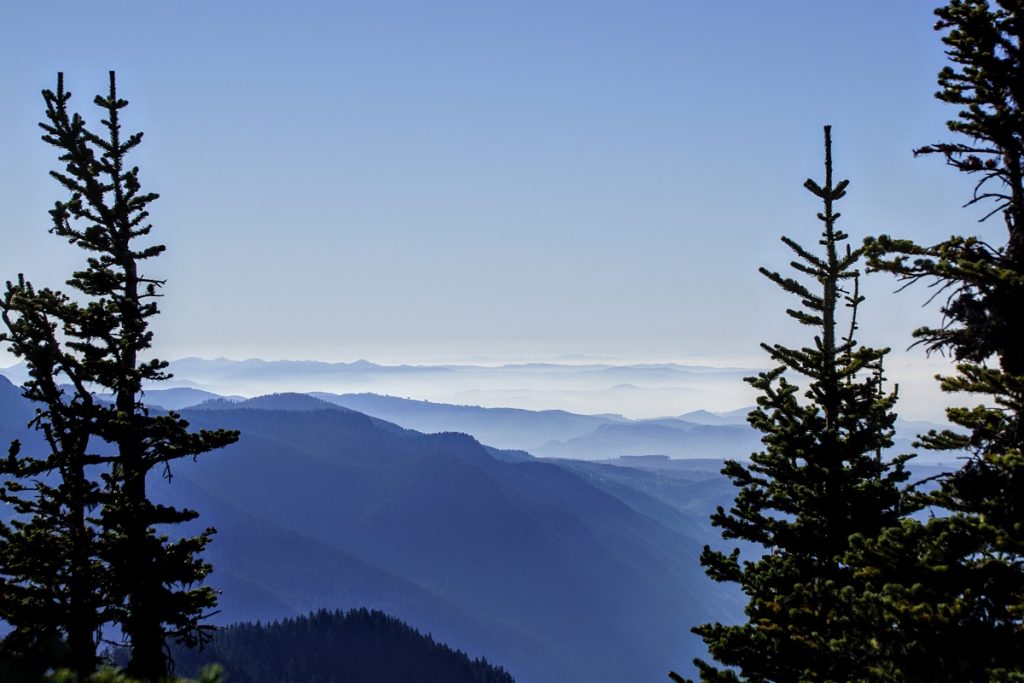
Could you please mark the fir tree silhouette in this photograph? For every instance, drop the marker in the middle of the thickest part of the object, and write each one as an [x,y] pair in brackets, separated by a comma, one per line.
[97,517]
[821,479]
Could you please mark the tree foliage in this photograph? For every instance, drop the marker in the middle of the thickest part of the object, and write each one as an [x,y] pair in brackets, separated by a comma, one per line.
[87,548]
[966,588]
[355,646]
[53,584]
[821,479]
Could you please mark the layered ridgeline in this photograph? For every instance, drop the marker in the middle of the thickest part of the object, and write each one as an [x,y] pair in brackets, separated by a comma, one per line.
[563,570]
[562,434]
[543,433]
[358,646]
[642,389]
[556,573]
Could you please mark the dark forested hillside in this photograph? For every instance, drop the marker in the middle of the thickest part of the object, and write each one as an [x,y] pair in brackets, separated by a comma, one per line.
[358,646]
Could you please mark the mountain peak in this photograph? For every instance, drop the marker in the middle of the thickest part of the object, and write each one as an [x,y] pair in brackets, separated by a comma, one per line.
[284,401]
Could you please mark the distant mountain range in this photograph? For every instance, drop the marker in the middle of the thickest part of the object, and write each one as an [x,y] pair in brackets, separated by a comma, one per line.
[560,570]
[559,433]
[535,557]
[501,427]
[556,573]
[646,390]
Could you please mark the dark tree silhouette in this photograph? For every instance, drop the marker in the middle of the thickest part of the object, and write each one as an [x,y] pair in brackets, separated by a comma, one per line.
[53,586]
[967,591]
[357,646]
[821,480]
[101,517]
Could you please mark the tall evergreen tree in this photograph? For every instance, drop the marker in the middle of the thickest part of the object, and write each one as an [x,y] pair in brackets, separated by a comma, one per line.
[150,584]
[967,589]
[821,479]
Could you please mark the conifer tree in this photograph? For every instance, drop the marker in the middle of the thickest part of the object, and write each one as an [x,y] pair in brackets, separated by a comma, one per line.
[99,343]
[821,479]
[53,586]
[966,588]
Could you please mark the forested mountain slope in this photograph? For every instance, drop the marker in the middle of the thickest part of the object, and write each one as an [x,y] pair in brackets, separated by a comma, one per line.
[358,646]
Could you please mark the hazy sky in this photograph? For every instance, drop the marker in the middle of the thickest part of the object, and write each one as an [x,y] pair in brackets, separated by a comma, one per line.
[440,180]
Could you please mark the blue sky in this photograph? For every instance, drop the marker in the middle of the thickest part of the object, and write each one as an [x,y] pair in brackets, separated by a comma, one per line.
[443,180]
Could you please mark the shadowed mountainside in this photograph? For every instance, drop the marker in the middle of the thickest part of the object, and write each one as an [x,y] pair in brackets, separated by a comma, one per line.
[524,542]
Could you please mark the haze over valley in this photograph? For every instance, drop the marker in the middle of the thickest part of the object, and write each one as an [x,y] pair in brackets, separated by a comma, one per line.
[501,531]
[586,386]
